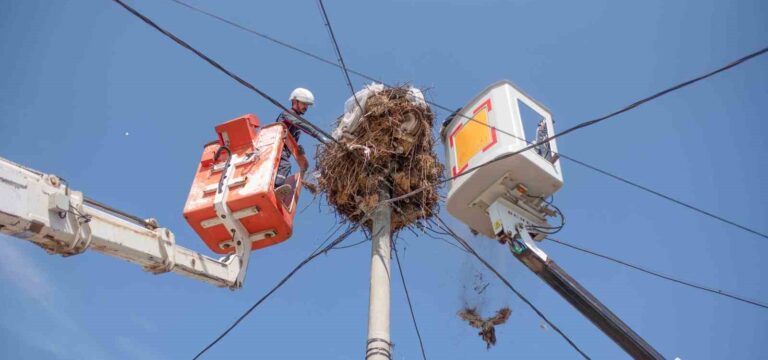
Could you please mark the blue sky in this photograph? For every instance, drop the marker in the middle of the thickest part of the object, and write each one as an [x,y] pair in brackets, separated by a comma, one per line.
[79,75]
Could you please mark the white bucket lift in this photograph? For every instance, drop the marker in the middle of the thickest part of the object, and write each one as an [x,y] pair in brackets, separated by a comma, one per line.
[505,199]
[490,126]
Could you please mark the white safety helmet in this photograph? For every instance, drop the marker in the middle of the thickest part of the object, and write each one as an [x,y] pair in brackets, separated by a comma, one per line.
[303,95]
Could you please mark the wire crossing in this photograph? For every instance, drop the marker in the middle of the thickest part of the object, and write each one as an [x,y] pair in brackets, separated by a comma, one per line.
[449,110]
[657,274]
[220,67]
[592,122]
[460,240]
[274,40]
[408,297]
[298,267]
[506,282]
[338,52]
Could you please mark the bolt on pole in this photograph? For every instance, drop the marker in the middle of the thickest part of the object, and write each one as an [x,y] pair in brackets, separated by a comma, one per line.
[379,346]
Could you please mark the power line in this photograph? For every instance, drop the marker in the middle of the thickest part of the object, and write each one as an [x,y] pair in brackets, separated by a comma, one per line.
[272,39]
[449,110]
[472,251]
[352,245]
[408,297]
[426,230]
[666,277]
[221,68]
[593,121]
[312,256]
[667,197]
[636,185]
[338,52]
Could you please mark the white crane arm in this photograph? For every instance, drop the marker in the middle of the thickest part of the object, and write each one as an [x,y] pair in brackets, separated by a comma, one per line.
[40,208]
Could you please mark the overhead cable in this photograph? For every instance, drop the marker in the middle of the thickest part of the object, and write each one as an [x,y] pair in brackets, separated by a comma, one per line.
[272,39]
[449,110]
[351,245]
[311,257]
[591,122]
[338,52]
[506,282]
[221,68]
[667,197]
[408,297]
[666,277]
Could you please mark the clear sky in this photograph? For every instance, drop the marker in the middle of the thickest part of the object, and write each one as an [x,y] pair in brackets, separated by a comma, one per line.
[90,93]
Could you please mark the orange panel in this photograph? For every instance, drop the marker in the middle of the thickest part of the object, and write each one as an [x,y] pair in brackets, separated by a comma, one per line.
[252,184]
[472,137]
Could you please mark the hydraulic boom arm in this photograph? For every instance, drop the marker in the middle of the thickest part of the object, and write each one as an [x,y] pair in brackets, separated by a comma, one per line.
[512,230]
[42,209]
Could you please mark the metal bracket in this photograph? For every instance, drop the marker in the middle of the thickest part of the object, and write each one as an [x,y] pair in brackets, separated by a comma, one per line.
[522,240]
[68,208]
[82,225]
[510,227]
[240,236]
[167,243]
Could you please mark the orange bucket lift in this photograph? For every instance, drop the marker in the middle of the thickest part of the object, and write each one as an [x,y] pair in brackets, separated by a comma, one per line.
[232,204]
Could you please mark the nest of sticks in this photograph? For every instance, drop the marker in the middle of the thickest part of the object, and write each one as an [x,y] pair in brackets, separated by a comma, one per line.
[391,150]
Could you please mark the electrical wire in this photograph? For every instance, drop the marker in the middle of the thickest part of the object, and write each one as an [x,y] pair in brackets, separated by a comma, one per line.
[470,170]
[222,69]
[351,245]
[667,197]
[449,110]
[311,257]
[331,233]
[592,122]
[549,230]
[666,277]
[272,39]
[340,58]
[436,235]
[408,297]
[506,282]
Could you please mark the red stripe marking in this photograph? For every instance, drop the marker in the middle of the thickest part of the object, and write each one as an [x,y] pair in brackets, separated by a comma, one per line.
[453,133]
[493,140]
[486,103]
[460,170]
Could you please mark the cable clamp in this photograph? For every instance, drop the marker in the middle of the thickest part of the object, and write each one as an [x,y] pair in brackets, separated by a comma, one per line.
[378,350]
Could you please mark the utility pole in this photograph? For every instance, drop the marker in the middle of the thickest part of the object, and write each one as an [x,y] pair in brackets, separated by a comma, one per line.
[379,346]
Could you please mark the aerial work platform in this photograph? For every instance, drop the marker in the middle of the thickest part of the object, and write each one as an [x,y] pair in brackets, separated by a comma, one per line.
[239,184]
[232,205]
[492,125]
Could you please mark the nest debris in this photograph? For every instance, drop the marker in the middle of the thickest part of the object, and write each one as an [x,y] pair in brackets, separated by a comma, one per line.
[392,145]
[487,326]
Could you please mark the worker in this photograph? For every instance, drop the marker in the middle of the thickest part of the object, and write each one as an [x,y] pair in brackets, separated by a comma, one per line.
[301,99]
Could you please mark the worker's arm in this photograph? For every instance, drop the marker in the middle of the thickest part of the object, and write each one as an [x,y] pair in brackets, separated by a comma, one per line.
[298,153]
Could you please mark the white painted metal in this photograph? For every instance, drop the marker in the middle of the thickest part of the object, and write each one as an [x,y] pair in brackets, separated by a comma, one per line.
[237,214]
[540,176]
[379,344]
[26,212]
[508,223]
[240,236]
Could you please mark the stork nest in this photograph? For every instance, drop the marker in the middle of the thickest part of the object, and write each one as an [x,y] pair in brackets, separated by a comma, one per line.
[390,150]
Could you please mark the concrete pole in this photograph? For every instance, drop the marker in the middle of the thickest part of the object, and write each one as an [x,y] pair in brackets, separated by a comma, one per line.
[379,344]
